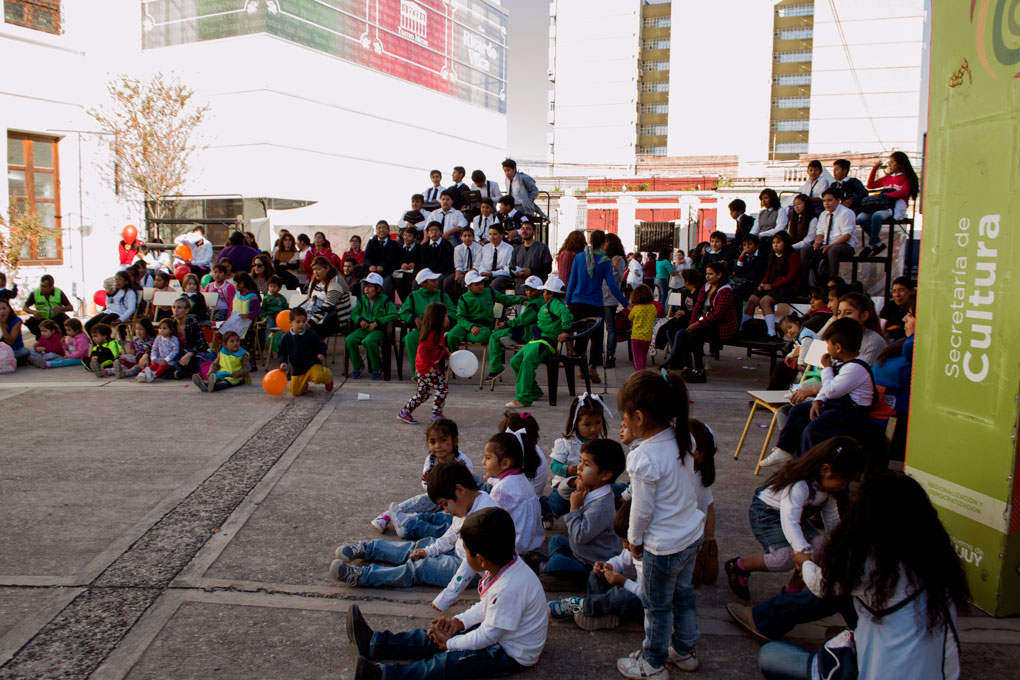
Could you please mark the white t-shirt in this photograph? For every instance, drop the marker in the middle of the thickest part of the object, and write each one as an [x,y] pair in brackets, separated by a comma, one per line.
[431,460]
[704,493]
[451,541]
[566,450]
[516,495]
[635,273]
[512,613]
[790,501]
[541,474]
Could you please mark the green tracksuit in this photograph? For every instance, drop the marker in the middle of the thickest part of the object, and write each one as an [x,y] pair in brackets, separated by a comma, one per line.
[381,311]
[475,309]
[553,318]
[414,308]
[519,328]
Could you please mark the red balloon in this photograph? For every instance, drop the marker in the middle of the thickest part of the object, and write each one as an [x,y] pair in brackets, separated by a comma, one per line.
[99,297]
[129,234]
[181,271]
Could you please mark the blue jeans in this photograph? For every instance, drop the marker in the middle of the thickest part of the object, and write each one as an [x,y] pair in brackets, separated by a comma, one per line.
[561,558]
[431,663]
[662,285]
[427,525]
[557,503]
[602,599]
[873,225]
[776,617]
[609,315]
[433,571]
[671,610]
[801,433]
[784,661]
[767,527]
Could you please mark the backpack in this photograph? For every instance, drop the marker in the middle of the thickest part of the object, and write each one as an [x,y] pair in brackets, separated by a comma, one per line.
[880,409]
[8,364]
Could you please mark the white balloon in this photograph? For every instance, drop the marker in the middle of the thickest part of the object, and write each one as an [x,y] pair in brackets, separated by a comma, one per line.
[463,363]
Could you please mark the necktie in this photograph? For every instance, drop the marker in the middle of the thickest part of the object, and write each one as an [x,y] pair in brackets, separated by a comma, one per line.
[470,259]
[495,252]
[828,228]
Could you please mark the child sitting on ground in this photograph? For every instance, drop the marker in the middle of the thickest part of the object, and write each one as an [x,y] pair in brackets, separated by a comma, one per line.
[303,355]
[76,345]
[504,633]
[370,316]
[193,291]
[230,368]
[706,566]
[666,527]
[428,363]
[642,314]
[163,356]
[104,352]
[419,517]
[586,420]
[610,595]
[590,537]
[842,405]
[135,360]
[780,511]
[513,422]
[49,346]
[433,561]
[510,463]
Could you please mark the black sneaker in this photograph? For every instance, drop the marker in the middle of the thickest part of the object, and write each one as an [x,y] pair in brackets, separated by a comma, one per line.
[611,362]
[359,633]
[733,575]
[878,249]
[866,252]
[366,670]
[695,376]
[494,376]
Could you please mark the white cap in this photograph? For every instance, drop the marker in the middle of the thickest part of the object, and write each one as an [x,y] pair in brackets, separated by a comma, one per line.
[425,275]
[533,282]
[374,278]
[554,285]
[473,277]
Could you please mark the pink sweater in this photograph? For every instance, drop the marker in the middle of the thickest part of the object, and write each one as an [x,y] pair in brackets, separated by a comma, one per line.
[76,347]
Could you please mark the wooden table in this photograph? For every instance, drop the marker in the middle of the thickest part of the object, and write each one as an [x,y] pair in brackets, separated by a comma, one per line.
[770,400]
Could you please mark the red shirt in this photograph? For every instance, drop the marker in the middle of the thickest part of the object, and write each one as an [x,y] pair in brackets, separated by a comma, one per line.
[358,257]
[127,256]
[431,351]
[899,180]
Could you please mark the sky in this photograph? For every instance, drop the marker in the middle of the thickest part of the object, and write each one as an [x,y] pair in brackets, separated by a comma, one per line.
[528,83]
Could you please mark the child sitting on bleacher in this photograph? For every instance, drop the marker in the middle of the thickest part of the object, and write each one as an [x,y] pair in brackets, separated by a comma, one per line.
[274,302]
[590,537]
[224,290]
[419,516]
[160,284]
[136,358]
[193,292]
[433,561]
[504,633]
[586,420]
[511,459]
[230,368]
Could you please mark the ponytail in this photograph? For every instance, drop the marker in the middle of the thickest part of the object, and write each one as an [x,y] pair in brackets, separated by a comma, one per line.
[662,397]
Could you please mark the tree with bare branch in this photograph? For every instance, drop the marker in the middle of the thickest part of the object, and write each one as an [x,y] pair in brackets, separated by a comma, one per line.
[19,231]
[149,126]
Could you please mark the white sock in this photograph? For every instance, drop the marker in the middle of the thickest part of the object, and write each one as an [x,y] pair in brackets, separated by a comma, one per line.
[770,323]
[744,318]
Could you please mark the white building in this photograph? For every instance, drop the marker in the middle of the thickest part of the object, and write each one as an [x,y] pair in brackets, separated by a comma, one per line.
[307,100]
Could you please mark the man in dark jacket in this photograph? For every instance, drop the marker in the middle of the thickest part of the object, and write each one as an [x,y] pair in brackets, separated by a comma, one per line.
[851,189]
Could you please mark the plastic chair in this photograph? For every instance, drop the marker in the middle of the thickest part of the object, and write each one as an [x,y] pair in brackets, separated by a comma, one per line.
[583,328]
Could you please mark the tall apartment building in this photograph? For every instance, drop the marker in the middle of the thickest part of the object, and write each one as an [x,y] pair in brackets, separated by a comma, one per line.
[637,81]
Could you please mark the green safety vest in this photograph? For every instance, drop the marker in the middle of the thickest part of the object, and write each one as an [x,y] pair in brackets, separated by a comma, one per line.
[44,305]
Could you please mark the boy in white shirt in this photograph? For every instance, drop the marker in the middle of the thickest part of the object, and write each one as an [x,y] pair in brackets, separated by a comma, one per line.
[466,257]
[504,633]
[432,561]
[433,193]
[452,219]
[496,257]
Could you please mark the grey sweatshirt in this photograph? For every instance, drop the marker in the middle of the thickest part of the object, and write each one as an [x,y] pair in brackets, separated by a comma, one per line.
[590,530]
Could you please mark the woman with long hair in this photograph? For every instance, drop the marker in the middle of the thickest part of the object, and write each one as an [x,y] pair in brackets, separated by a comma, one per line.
[320,248]
[329,299]
[572,245]
[287,260]
[616,253]
[772,219]
[892,555]
[899,185]
[261,271]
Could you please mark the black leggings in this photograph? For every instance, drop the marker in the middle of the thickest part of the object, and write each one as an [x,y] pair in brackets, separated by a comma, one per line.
[102,317]
[689,348]
[583,311]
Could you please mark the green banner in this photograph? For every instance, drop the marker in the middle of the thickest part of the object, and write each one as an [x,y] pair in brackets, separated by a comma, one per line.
[962,439]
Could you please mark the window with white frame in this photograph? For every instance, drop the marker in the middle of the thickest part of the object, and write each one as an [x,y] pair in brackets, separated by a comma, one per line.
[793,79]
[651,130]
[656,22]
[655,86]
[655,65]
[799,33]
[804,10]
[655,44]
[791,102]
[651,151]
[793,56]
[791,147]
[798,125]
[659,108]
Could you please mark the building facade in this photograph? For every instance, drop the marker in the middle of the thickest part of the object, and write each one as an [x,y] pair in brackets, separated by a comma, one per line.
[345,103]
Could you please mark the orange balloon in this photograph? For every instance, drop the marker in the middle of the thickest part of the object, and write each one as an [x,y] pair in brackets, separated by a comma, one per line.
[183,251]
[274,382]
[283,320]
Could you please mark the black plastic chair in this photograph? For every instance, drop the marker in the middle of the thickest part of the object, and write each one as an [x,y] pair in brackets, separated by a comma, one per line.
[388,348]
[582,328]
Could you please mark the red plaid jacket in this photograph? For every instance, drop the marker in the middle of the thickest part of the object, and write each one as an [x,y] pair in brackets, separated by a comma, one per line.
[723,314]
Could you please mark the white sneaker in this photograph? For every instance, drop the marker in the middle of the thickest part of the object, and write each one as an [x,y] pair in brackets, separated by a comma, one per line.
[380,522]
[777,457]
[149,375]
[636,668]
[685,662]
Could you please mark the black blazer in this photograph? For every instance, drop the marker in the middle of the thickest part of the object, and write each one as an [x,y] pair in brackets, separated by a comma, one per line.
[439,258]
[413,257]
[381,255]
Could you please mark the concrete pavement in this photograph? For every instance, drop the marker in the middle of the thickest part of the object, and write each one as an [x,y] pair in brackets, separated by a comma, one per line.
[155,531]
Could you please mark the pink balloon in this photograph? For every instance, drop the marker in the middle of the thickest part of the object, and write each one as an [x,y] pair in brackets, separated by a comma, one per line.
[709,223]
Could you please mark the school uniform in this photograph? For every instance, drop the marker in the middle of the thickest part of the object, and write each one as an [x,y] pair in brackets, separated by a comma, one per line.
[432,195]
[300,351]
[590,537]
[380,311]
[475,309]
[496,263]
[449,219]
